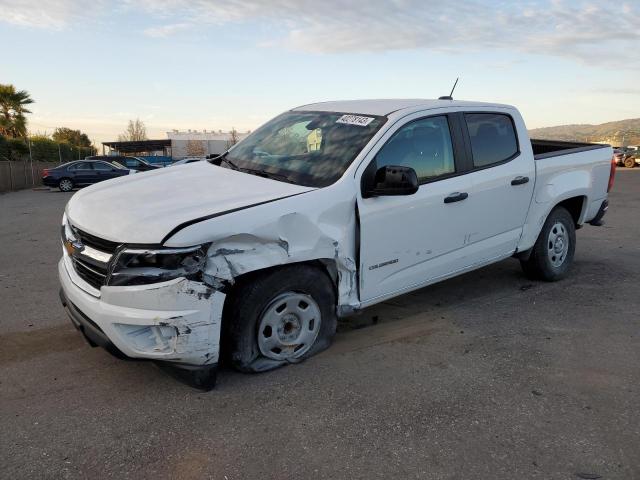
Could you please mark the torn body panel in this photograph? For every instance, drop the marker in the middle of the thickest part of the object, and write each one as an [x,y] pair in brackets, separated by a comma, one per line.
[297,231]
[177,321]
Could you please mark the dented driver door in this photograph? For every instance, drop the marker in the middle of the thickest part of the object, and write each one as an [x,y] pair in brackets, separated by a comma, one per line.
[407,241]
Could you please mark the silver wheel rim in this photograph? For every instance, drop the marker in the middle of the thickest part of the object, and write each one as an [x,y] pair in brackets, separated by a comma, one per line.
[557,244]
[289,326]
[65,185]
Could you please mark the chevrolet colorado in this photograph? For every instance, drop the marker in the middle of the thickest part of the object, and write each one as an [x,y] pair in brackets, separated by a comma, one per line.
[326,209]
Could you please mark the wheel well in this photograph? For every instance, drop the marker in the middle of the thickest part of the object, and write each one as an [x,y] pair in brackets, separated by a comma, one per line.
[574,206]
[325,265]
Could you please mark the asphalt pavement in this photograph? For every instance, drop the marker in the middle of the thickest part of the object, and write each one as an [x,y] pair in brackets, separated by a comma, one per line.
[485,376]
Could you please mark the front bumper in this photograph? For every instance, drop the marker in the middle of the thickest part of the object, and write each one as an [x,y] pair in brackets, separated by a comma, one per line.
[176,322]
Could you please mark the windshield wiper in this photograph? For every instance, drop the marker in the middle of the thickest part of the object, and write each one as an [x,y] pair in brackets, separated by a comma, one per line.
[223,158]
[252,171]
[229,162]
[267,174]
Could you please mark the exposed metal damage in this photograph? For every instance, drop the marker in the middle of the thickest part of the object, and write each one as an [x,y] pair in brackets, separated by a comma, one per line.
[291,238]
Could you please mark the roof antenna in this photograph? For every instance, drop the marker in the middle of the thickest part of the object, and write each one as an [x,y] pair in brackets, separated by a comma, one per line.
[450,96]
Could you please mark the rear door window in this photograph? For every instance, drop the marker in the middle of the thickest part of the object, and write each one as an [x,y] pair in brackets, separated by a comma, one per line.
[80,166]
[493,138]
[102,166]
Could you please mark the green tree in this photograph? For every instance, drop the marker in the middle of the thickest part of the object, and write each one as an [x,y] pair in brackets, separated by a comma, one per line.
[135,131]
[72,137]
[13,122]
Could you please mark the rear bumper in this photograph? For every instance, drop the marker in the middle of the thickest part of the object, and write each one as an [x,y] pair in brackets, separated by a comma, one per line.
[598,221]
[50,182]
[175,322]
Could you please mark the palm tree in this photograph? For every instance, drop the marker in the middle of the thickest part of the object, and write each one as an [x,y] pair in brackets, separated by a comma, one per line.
[13,122]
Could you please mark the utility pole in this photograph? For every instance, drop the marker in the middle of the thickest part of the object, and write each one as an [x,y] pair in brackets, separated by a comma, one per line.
[59,154]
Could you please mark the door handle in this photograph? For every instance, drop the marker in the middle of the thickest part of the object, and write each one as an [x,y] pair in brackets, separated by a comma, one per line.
[456,197]
[520,180]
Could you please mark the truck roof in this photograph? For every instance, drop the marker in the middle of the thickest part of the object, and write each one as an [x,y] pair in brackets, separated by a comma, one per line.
[388,106]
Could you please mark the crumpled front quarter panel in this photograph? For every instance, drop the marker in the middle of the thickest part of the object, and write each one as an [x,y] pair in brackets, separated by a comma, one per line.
[317,225]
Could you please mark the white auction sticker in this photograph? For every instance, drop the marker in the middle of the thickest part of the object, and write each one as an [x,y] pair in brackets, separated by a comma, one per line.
[355,120]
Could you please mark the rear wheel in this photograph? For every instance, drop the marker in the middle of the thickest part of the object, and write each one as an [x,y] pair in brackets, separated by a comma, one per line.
[65,185]
[280,317]
[553,252]
[629,162]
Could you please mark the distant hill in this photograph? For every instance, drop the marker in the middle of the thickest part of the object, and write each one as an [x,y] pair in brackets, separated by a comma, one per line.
[611,132]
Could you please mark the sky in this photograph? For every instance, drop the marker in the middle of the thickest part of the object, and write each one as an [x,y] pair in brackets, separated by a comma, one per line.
[198,64]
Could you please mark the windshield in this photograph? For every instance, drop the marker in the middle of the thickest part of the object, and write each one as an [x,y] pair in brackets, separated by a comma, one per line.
[118,165]
[307,148]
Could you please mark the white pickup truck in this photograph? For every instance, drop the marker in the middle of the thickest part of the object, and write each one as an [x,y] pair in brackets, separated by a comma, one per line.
[326,209]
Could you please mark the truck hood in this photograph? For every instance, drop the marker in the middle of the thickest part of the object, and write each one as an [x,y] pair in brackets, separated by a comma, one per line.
[146,207]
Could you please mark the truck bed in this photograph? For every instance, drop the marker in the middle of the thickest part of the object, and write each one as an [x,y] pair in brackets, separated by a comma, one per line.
[553,148]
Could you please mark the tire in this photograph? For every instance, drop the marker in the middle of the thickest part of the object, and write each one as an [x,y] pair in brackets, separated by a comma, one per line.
[65,185]
[629,162]
[262,335]
[553,252]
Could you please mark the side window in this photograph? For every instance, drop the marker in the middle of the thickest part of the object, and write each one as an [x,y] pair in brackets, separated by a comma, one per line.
[493,138]
[80,166]
[424,145]
[102,167]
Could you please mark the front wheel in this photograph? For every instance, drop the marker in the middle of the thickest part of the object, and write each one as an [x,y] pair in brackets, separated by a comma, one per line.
[65,185]
[280,317]
[629,162]
[553,252]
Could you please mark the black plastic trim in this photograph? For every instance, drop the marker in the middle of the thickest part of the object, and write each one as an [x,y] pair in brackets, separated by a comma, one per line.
[219,214]
[572,147]
[597,221]
[456,197]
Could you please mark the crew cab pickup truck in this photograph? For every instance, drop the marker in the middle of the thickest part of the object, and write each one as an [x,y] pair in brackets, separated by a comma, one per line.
[325,210]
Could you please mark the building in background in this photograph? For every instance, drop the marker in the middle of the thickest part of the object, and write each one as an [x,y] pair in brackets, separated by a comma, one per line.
[199,144]
[177,146]
[157,152]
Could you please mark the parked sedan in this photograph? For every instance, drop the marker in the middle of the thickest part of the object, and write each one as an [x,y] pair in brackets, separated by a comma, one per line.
[133,163]
[81,173]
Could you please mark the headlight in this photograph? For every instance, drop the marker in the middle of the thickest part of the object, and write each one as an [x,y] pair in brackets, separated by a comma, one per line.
[141,267]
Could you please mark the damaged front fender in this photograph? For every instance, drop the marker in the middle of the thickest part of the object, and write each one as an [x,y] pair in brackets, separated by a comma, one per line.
[292,237]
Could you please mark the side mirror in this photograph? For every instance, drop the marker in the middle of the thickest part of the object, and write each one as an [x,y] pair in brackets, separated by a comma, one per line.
[390,180]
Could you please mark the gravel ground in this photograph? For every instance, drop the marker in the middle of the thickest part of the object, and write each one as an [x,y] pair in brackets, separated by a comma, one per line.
[487,376]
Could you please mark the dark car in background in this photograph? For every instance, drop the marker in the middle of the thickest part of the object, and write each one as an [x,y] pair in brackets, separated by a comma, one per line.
[81,173]
[133,163]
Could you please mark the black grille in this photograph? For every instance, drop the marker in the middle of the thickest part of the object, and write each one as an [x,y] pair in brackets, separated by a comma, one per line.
[94,276]
[95,242]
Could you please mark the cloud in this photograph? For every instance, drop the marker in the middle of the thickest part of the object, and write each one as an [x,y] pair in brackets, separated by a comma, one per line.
[165,30]
[598,32]
[591,32]
[49,14]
